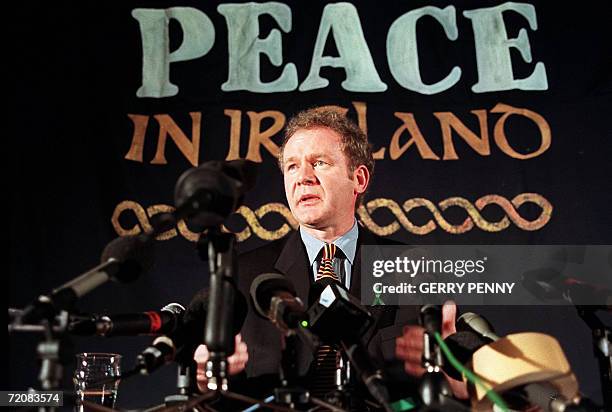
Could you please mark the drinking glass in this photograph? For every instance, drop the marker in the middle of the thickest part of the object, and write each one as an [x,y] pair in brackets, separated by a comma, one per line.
[96,378]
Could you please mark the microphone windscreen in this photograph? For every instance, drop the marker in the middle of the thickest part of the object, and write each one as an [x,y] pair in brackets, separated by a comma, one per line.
[462,345]
[135,255]
[263,288]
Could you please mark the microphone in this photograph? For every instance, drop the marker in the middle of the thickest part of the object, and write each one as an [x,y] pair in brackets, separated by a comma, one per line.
[337,316]
[462,345]
[123,260]
[547,283]
[161,322]
[471,321]
[431,318]
[188,335]
[274,297]
[209,193]
[433,388]
[475,332]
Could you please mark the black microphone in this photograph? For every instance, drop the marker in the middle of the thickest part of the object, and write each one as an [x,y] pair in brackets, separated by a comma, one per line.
[274,297]
[188,335]
[473,332]
[123,260]
[433,389]
[160,322]
[431,318]
[209,193]
[462,344]
[337,316]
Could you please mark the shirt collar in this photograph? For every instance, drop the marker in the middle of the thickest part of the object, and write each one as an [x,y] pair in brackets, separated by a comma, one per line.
[347,244]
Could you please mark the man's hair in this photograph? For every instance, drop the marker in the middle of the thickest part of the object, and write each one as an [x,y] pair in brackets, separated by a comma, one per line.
[354,141]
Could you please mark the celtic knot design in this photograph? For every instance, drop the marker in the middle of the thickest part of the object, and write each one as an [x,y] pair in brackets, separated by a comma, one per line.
[473,211]
[253,218]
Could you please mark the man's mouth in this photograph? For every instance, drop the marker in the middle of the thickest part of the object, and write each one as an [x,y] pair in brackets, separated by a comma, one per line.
[308,199]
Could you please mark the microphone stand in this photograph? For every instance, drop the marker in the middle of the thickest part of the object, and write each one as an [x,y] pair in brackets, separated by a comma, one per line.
[50,351]
[218,335]
[218,248]
[183,385]
[289,393]
[602,348]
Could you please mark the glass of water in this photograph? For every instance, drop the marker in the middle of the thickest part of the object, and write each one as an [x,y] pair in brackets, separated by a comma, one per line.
[96,378]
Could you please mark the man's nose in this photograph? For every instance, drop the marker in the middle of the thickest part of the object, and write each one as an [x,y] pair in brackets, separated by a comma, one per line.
[306,175]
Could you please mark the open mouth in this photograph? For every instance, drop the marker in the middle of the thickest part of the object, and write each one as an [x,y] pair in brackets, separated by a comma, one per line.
[307,199]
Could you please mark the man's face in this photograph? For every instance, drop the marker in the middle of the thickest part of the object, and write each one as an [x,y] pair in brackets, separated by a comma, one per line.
[320,190]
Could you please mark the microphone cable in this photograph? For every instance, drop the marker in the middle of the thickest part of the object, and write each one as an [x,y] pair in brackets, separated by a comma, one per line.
[491,394]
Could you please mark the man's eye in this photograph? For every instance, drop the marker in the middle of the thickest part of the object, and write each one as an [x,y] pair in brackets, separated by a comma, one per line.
[319,163]
[290,167]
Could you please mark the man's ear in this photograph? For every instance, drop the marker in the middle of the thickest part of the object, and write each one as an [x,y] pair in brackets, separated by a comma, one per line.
[361,177]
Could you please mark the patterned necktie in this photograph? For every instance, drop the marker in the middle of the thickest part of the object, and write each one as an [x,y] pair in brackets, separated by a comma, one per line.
[327,357]
[326,267]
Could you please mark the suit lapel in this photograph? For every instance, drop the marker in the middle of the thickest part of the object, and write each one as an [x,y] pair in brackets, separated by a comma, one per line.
[293,263]
[364,238]
[355,288]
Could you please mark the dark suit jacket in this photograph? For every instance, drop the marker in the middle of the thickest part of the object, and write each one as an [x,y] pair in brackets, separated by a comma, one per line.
[288,256]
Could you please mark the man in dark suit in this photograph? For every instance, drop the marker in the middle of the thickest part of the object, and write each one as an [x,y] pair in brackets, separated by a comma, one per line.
[289,257]
[327,164]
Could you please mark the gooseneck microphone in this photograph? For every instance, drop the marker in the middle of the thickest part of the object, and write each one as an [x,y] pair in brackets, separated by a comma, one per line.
[123,260]
[159,322]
